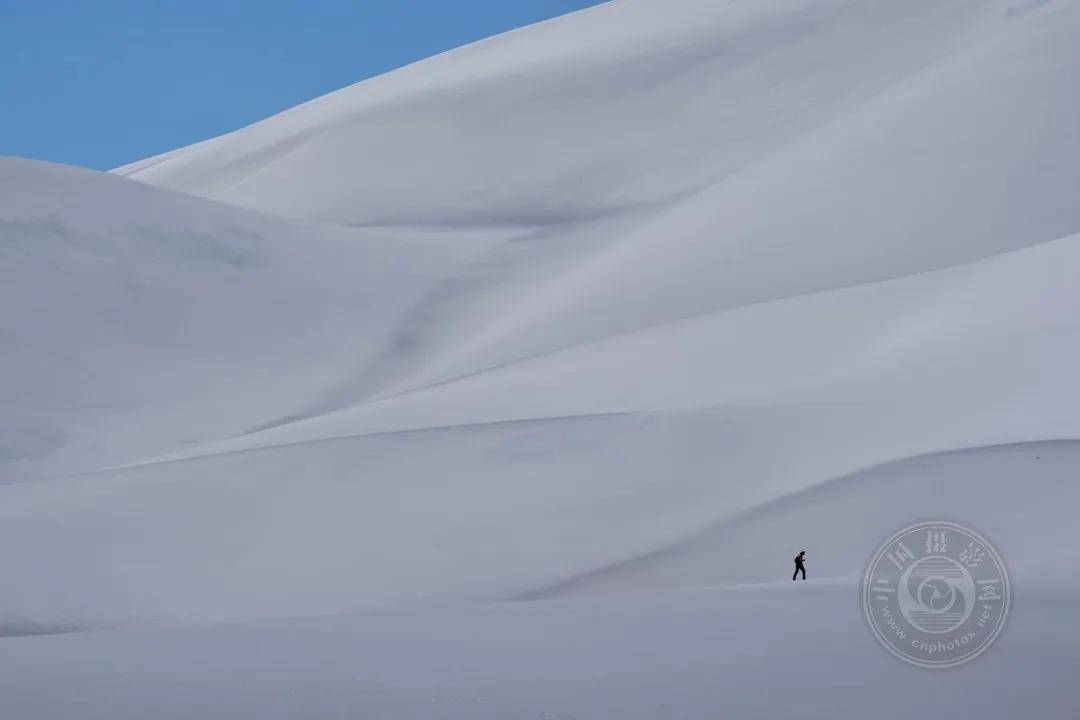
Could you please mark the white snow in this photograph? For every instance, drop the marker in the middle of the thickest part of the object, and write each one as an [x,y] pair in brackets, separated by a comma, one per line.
[136,320]
[607,316]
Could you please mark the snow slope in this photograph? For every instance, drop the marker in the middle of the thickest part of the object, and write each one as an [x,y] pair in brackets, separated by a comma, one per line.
[136,320]
[757,652]
[508,482]
[606,316]
[680,158]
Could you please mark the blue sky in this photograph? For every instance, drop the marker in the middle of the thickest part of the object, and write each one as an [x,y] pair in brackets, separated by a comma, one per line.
[103,82]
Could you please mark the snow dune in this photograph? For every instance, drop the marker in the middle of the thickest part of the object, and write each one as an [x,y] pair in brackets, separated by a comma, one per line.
[785,148]
[136,320]
[610,315]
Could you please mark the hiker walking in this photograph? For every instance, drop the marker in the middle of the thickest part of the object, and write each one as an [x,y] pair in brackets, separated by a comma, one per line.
[799,567]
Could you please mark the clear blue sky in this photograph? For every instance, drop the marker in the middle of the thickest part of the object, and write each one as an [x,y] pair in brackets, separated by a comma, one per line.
[103,82]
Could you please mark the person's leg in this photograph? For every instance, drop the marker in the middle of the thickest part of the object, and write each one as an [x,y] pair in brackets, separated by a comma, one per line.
[803,572]
[795,575]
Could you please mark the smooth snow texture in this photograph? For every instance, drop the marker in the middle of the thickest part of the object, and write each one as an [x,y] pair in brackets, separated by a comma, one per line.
[605,316]
[762,652]
[135,320]
[680,158]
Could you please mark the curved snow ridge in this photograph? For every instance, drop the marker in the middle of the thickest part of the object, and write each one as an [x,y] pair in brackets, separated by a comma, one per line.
[135,320]
[828,172]
[566,592]
[901,185]
[945,484]
[181,457]
[654,332]
[656,503]
[838,226]
[849,345]
[441,139]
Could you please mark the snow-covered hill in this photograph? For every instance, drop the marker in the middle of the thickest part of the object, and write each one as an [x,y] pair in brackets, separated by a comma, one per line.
[135,320]
[610,314]
[676,158]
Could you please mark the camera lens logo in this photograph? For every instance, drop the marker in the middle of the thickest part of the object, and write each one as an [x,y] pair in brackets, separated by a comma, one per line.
[936,594]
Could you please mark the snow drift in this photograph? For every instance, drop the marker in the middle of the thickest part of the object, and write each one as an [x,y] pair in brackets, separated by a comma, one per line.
[135,320]
[678,158]
[631,304]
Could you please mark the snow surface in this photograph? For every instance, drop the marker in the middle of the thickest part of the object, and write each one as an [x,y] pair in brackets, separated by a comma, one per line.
[507,384]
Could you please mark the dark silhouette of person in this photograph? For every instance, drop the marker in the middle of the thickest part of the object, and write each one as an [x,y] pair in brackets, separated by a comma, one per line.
[799,567]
